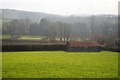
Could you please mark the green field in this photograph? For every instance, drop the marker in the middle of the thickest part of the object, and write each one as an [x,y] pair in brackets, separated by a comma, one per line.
[5,36]
[22,37]
[30,38]
[59,64]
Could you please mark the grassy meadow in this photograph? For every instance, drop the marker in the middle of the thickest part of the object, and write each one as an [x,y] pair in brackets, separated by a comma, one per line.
[22,37]
[5,36]
[59,64]
[30,37]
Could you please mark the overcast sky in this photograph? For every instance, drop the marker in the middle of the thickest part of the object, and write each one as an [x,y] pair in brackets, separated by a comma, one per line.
[64,7]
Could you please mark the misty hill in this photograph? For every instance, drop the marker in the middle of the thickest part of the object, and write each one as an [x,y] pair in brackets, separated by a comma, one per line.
[18,14]
[10,14]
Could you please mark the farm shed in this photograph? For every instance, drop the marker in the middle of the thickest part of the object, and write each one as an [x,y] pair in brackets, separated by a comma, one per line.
[83,46]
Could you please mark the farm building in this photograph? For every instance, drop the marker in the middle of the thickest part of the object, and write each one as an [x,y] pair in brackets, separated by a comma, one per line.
[83,46]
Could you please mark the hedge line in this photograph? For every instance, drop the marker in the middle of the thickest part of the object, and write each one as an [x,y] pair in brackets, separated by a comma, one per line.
[33,48]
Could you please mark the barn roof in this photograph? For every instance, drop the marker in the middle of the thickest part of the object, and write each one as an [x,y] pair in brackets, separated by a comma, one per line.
[80,44]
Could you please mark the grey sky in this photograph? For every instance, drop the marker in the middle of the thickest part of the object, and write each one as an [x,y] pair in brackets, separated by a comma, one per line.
[64,7]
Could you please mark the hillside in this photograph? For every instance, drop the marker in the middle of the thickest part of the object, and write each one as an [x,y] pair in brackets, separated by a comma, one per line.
[18,14]
[10,14]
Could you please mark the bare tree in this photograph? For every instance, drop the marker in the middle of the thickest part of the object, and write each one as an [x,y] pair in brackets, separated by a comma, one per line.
[17,28]
[60,30]
[64,31]
[53,30]
[92,22]
[67,32]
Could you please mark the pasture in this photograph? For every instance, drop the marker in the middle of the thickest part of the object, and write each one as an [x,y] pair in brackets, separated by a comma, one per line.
[22,37]
[59,64]
[5,36]
[31,37]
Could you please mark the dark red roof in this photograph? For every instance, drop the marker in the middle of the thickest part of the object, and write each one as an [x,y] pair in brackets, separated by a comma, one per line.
[79,44]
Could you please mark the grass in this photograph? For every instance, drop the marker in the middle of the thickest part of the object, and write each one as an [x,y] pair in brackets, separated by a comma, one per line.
[0,65]
[5,36]
[31,37]
[22,37]
[59,64]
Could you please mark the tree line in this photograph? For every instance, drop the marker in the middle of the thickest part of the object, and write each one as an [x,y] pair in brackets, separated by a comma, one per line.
[102,29]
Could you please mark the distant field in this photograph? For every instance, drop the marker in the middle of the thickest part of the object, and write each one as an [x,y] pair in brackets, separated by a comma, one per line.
[30,37]
[59,64]
[4,36]
[22,37]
